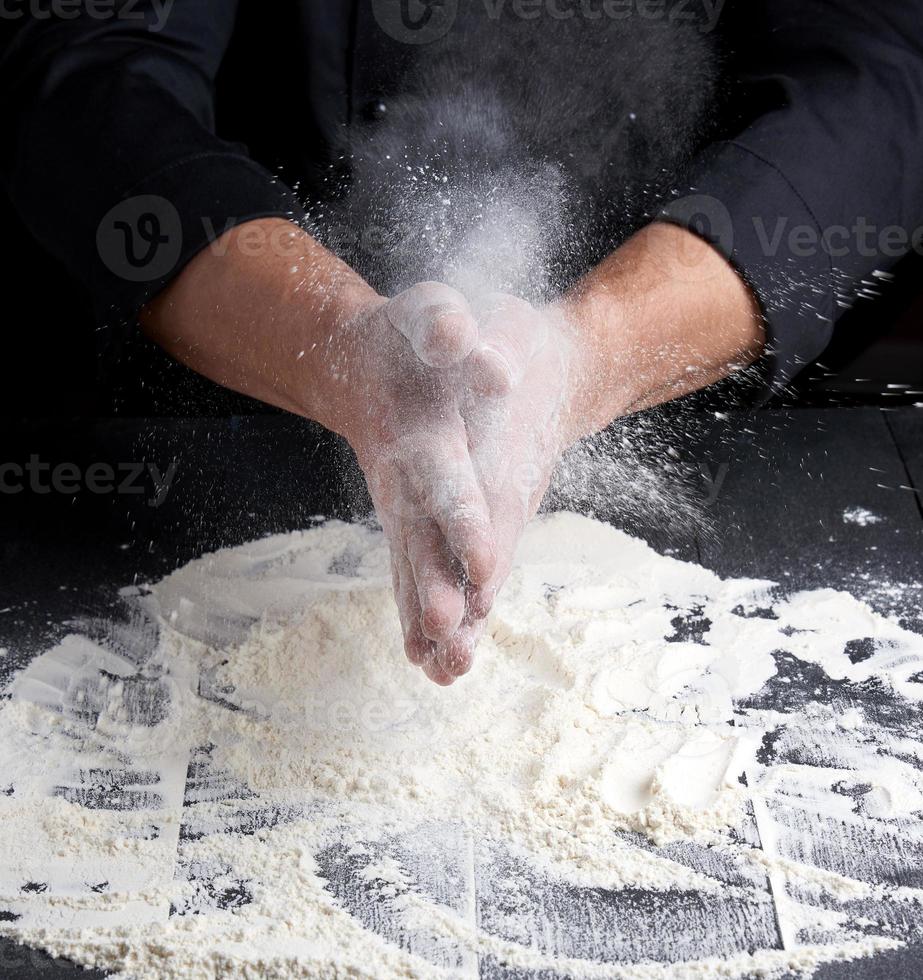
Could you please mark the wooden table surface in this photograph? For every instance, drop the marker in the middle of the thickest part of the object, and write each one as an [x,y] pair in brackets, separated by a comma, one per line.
[771,489]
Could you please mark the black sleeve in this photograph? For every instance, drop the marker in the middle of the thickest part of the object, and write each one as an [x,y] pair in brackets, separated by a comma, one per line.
[109,152]
[820,192]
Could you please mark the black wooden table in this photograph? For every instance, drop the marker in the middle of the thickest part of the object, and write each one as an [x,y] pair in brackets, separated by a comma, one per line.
[772,489]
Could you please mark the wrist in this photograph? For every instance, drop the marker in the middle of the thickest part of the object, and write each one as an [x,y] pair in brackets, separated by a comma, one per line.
[262,311]
[594,322]
[662,316]
[329,351]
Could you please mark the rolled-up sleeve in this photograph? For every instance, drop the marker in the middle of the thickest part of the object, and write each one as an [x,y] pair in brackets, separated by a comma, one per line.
[110,154]
[819,192]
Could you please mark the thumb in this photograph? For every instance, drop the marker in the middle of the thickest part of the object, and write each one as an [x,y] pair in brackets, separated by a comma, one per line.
[437,321]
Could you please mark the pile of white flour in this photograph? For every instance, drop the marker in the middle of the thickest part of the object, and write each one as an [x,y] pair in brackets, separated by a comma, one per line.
[649,773]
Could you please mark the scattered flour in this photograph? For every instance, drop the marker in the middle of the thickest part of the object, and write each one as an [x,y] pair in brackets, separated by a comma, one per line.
[720,779]
[860,516]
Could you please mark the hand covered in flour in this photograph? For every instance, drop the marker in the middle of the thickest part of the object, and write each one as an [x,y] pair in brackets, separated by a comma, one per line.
[513,402]
[291,324]
[412,444]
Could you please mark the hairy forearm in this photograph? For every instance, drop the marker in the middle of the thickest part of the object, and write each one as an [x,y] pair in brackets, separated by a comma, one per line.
[262,311]
[664,315]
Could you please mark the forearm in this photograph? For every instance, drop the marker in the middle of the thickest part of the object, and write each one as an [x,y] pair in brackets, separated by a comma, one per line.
[664,315]
[263,311]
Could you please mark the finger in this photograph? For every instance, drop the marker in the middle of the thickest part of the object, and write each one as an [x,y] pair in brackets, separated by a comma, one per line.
[445,484]
[512,332]
[437,675]
[508,527]
[437,322]
[417,646]
[457,656]
[479,600]
[439,582]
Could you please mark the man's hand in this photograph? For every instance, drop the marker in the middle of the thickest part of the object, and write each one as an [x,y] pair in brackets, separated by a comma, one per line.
[406,360]
[459,452]
[515,389]
[291,324]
